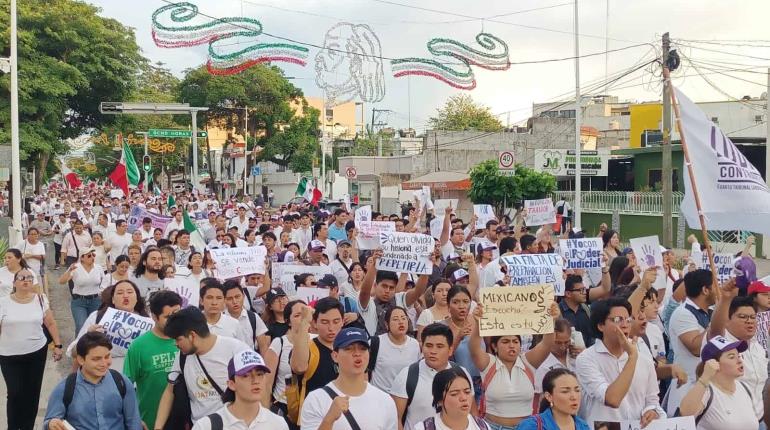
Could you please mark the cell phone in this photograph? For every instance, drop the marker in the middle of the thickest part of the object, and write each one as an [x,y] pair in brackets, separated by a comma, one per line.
[576,339]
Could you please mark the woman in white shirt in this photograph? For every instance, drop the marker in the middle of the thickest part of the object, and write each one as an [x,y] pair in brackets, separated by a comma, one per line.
[101,254]
[196,266]
[33,251]
[508,382]
[13,263]
[395,350]
[440,310]
[24,348]
[354,281]
[121,273]
[86,278]
[452,398]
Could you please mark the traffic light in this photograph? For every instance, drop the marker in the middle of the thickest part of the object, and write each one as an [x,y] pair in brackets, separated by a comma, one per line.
[146,163]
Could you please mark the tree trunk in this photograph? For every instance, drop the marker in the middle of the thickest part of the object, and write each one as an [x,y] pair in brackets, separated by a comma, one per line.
[42,164]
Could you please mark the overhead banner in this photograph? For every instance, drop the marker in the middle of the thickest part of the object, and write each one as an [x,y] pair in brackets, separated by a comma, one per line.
[583,253]
[733,194]
[516,310]
[406,252]
[535,269]
[283,275]
[232,262]
[123,327]
[561,162]
[138,214]
[540,212]
[369,233]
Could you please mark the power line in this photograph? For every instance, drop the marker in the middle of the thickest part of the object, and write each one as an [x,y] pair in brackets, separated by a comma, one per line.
[679,43]
[718,89]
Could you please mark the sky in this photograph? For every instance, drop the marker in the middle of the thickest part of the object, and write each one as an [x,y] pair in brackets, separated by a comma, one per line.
[725,46]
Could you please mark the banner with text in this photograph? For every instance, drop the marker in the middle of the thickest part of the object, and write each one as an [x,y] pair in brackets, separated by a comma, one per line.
[369,233]
[723,261]
[123,327]
[232,262]
[406,252]
[583,253]
[536,269]
[516,310]
[283,274]
[138,214]
[540,212]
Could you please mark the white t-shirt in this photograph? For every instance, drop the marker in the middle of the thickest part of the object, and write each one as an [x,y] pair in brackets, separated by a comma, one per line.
[657,344]
[392,358]
[682,321]
[87,283]
[373,410]
[264,420]
[20,325]
[426,318]
[550,363]
[6,281]
[728,411]
[204,398]
[37,249]
[440,424]
[245,334]
[509,394]
[284,368]
[118,244]
[226,326]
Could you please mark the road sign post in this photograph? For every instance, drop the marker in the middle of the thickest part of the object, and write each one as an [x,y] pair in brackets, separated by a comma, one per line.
[506,163]
[351,173]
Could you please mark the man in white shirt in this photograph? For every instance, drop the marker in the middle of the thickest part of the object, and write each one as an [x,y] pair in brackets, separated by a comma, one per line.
[562,355]
[117,242]
[304,233]
[252,330]
[147,230]
[617,382]
[212,300]
[241,221]
[345,257]
[176,224]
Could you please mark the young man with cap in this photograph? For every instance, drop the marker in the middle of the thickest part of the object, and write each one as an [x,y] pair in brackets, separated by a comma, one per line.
[346,255]
[315,250]
[350,398]
[246,383]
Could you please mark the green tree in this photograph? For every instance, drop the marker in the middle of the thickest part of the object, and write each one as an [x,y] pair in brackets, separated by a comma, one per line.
[70,59]
[489,187]
[460,113]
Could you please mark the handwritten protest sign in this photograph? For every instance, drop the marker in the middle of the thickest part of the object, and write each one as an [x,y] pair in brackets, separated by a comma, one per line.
[406,252]
[232,262]
[581,253]
[540,212]
[484,213]
[123,328]
[309,295]
[648,254]
[369,233]
[138,214]
[364,213]
[723,261]
[535,269]
[283,275]
[516,310]
[679,423]
[187,287]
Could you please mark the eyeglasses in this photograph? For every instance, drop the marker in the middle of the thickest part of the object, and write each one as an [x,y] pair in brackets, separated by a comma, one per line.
[620,320]
[746,318]
[87,255]
[25,278]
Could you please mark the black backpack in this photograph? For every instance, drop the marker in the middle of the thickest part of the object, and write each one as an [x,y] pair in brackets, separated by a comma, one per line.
[412,378]
[69,388]
[180,415]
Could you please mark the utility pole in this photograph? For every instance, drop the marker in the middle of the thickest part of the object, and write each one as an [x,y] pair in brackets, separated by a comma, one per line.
[578,146]
[766,238]
[245,148]
[666,170]
[14,235]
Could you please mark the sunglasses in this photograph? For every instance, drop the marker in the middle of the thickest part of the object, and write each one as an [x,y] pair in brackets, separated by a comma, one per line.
[25,278]
[87,255]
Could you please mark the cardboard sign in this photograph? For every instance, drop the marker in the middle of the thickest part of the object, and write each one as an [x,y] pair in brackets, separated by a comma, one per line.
[724,263]
[648,254]
[309,295]
[123,328]
[369,233]
[406,252]
[283,275]
[516,310]
[484,213]
[187,287]
[540,212]
[535,269]
[138,214]
[232,262]
[440,205]
[581,253]
[679,423]
[362,214]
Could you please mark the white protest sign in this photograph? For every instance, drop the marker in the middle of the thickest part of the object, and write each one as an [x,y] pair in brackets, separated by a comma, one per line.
[116,193]
[535,269]
[428,204]
[519,310]
[283,275]
[406,252]
[232,262]
[369,233]
[346,200]
[362,214]
[440,205]
[678,423]
[309,295]
[483,213]
[647,253]
[123,327]
[187,287]
[723,261]
[436,227]
[583,253]
[540,212]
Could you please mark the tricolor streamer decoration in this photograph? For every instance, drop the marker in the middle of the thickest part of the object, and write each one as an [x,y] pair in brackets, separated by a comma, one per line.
[178,25]
[492,56]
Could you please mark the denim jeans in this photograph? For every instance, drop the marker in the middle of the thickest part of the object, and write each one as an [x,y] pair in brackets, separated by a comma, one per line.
[494,426]
[82,308]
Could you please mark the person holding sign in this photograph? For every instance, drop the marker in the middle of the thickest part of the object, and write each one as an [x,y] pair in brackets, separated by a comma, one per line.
[508,377]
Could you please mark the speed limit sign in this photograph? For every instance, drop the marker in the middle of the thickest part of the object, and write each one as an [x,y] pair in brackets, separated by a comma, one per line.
[505,161]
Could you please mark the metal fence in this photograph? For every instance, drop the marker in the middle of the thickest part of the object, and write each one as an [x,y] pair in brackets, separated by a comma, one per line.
[625,202]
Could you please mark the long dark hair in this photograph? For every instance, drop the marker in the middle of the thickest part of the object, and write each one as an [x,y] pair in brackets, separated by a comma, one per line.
[442,381]
[549,381]
[607,236]
[140,308]
[16,253]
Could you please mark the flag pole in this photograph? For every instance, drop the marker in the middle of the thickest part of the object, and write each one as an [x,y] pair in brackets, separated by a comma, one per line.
[688,163]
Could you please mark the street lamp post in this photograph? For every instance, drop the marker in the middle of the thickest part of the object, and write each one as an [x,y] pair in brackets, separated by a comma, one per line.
[15,231]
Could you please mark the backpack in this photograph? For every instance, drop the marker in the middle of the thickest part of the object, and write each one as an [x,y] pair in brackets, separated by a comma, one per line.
[488,379]
[430,423]
[296,385]
[412,377]
[69,388]
[253,322]
[374,349]
[216,421]
[180,415]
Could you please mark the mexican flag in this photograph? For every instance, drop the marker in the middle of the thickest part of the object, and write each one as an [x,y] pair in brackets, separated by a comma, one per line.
[171,202]
[308,191]
[126,173]
[71,177]
[196,239]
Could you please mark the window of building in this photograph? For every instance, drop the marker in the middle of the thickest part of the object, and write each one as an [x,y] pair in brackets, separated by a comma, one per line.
[655,178]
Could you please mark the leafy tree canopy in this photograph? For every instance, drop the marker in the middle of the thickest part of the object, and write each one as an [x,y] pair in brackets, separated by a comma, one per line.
[489,187]
[460,113]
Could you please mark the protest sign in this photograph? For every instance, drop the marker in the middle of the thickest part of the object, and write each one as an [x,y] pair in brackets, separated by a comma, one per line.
[232,262]
[581,253]
[369,233]
[678,423]
[187,287]
[116,193]
[540,212]
[346,201]
[283,275]
[138,214]
[440,205]
[516,310]
[436,227]
[309,295]
[535,269]
[406,252]
[364,213]
[483,213]
[123,327]
[723,261]
[648,254]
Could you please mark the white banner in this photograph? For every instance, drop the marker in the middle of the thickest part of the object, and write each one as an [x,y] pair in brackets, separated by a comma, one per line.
[232,262]
[647,253]
[406,252]
[484,213]
[187,287]
[536,269]
[283,275]
[363,214]
[724,263]
[123,328]
[733,194]
[540,212]
[581,253]
[369,233]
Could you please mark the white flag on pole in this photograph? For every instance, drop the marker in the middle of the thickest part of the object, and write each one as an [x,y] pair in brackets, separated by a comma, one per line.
[733,194]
